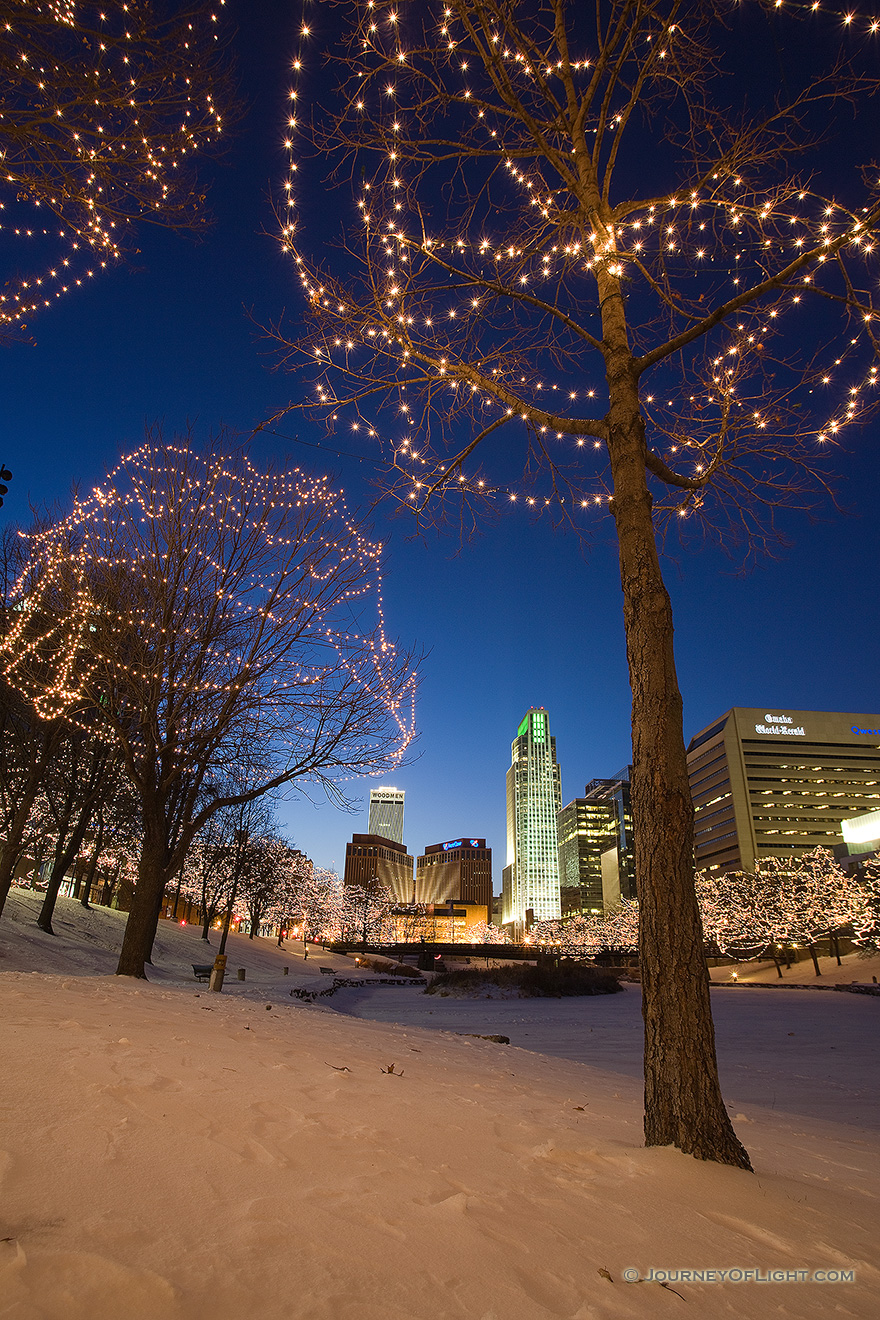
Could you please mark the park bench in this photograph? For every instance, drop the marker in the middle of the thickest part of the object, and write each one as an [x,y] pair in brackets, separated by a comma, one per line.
[202,971]
[327,971]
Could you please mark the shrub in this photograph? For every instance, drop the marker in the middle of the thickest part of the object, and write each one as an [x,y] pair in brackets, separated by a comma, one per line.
[388,968]
[530,982]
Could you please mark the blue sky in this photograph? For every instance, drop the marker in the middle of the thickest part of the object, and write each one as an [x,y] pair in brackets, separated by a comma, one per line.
[523,614]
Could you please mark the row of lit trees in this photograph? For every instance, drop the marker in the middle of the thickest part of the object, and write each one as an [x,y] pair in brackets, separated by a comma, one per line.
[218,630]
[783,902]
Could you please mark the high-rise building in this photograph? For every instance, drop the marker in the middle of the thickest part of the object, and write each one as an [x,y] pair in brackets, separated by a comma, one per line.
[373,862]
[772,783]
[596,862]
[386,813]
[460,869]
[580,826]
[534,797]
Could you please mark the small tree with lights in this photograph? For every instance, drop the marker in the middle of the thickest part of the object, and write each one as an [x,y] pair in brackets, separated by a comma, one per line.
[573,224]
[368,914]
[225,625]
[105,109]
[316,901]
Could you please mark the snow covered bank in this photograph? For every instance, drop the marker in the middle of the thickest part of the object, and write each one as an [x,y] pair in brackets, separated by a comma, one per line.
[174,1154]
[171,1154]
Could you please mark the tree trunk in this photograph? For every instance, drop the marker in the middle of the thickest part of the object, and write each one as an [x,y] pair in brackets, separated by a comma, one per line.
[110,885]
[93,866]
[63,859]
[228,918]
[683,1102]
[11,849]
[140,928]
[811,946]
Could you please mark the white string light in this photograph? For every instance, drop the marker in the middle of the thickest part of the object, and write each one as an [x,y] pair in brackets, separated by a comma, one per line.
[721,232]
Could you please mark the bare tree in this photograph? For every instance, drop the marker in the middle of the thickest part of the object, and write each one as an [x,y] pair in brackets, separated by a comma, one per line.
[105,108]
[573,224]
[80,778]
[225,625]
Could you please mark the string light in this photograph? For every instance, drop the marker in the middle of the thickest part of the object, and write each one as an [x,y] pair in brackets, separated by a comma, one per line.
[105,107]
[191,594]
[710,243]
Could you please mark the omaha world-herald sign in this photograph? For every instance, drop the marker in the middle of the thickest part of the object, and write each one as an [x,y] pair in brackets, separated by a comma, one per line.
[780,726]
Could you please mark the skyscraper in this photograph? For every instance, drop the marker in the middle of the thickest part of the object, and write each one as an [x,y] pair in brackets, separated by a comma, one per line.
[534,796]
[386,813]
[596,864]
[373,862]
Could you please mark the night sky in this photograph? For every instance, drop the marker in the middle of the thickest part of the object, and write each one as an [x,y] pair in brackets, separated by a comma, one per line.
[522,615]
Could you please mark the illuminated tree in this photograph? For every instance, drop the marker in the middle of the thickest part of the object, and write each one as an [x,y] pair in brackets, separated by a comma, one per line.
[731,910]
[204,877]
[787,901]
[367,914]
[316,901]
[267,888]
[104,109]
[586,935]
[866,927]
[28,747]
[572,224]
[225,624]
[579,937]
[484,932]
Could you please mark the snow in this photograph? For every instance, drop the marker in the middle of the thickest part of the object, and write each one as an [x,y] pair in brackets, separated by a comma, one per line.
[173,1154]
[859,967]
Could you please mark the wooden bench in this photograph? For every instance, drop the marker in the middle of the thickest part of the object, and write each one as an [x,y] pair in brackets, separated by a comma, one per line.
[202,971]
[328,971]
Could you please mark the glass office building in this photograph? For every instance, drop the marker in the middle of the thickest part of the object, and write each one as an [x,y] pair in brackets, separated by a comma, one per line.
[596,862]
[534,798]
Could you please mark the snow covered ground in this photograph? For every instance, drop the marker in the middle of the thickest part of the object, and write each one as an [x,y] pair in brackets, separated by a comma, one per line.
[171,1154]
[853,967]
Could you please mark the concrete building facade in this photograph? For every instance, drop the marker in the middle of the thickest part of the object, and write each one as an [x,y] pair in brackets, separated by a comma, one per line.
[458,870]
[386,813]
[372,862]
[776,782]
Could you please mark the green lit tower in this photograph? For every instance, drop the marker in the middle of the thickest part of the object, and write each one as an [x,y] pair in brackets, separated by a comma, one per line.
[534,796]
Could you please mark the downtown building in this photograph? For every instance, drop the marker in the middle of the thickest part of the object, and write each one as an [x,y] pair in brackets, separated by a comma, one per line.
[596,860]
[534,799]
[373,862]
[454,882]
[777,783]
[386,813]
